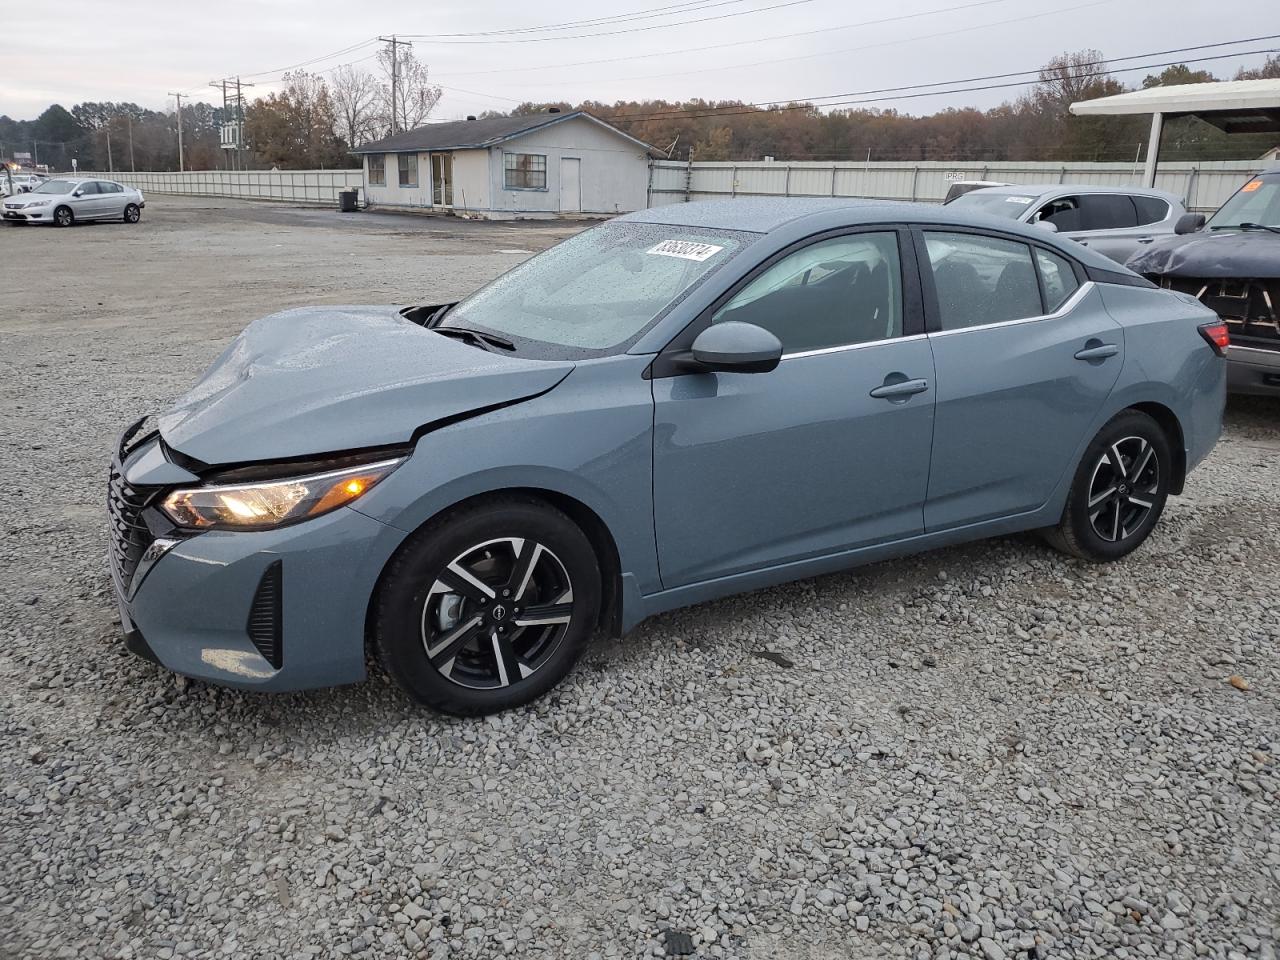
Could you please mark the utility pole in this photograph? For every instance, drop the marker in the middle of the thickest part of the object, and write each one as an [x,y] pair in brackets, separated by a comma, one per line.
[132,168]
[111,167]
[395,75]
[178,96]
[240,124]
[232,139]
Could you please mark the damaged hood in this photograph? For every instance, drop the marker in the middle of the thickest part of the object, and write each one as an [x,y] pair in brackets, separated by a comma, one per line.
[321,380]
[1208,254]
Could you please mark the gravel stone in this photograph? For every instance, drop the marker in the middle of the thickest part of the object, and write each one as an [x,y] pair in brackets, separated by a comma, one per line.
[1073,775]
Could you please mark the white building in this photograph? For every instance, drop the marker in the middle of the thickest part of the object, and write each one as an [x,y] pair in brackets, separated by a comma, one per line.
[500,168]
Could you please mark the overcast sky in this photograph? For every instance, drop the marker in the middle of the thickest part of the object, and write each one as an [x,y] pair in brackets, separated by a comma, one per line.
[761,50]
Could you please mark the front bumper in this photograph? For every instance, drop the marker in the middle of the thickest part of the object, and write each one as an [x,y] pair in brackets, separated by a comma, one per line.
[1253,370]
[23,215]
[197,608]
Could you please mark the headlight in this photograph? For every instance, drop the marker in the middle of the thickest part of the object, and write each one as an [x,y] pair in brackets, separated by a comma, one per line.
[37,203]
[257,506]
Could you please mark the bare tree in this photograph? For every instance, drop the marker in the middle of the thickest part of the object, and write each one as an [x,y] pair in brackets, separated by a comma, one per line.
[415,95]
[1071,77]
[355,94]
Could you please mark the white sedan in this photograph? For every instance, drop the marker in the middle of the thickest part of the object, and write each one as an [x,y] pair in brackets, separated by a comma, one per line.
[17,183]
[64,201]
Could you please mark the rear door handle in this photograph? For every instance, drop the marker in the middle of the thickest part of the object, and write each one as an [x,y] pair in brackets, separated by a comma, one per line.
[1095,350]
[1146,239]
[900,390]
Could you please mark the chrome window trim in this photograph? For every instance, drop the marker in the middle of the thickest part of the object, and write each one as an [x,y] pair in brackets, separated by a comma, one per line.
[1068,305]
[851,346]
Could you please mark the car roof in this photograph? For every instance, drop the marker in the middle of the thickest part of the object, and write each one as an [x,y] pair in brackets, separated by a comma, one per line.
[752,214]
[1039,189]
[800,216]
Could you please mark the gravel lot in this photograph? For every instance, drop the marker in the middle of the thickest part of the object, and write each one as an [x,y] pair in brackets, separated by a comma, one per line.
[989,751]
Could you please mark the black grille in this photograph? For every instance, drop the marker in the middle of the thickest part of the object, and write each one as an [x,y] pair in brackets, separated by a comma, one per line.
[130,535]
[1250,308]
[264,627]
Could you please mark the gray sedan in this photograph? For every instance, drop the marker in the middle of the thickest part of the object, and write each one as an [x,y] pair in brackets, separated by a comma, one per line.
[65,201]
[1115,221]
[673,406]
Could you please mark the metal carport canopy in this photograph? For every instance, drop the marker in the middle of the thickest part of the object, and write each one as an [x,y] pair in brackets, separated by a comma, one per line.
[1233,106]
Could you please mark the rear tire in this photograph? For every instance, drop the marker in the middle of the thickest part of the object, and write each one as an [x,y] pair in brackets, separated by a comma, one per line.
[132,214]
[63,217]
[488,607]
[1119,490]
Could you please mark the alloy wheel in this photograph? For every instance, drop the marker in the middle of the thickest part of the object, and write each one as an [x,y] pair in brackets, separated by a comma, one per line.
[1123,489]
[496,613]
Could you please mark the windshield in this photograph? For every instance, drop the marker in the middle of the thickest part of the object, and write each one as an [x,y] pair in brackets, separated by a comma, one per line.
[1008,205]
[1258,201]
[598,290]
[55,186]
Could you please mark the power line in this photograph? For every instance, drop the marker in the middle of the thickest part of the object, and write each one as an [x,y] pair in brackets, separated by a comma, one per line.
[613,33]
[777,36]
[807,103]
[985,25]
[690,6]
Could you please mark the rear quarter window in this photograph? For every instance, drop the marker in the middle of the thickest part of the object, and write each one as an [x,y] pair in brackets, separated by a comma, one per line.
[1150,209]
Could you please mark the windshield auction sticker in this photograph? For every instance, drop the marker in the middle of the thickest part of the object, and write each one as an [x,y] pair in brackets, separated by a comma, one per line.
[684,249]
[1021,200]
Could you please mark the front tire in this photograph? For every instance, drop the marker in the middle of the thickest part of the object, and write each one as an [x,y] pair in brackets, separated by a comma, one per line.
[63,217]
[132,214]
[1119,490]
[488,607]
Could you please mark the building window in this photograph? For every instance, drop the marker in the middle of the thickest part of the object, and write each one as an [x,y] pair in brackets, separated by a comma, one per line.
[377,169]
[408,169]
[524,171]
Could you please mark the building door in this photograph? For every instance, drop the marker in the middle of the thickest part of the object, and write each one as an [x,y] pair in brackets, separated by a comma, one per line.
[442,179]
[570,185]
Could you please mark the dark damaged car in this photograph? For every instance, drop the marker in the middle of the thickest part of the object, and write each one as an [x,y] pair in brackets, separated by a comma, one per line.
[1232,265]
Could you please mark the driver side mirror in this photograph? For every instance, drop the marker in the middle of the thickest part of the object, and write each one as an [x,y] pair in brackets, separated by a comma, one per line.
[1047,225]
[1188,223]
[77,193]
[735,347]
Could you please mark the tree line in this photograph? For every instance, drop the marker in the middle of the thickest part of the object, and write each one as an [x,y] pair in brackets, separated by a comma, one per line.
[314,121]
[1035,126]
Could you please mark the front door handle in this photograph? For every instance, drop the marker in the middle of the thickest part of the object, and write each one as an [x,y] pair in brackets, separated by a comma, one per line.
[899,389]
[1097,350]
[1146,239]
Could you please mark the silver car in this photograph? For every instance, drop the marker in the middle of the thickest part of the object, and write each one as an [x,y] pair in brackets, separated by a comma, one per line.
[65,201]
[1115,221]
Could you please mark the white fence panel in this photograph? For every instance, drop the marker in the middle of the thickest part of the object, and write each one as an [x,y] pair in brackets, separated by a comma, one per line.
[1202,185]
[291,186]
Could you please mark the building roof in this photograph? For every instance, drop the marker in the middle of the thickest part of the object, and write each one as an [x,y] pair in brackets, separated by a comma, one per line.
[479,134]
[1236,106]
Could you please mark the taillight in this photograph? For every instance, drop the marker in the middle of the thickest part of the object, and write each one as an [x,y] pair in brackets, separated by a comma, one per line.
[1217,336]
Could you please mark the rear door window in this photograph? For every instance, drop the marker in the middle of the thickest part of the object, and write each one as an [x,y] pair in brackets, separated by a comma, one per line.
[1150,209]
[980,280]
[1107,211]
